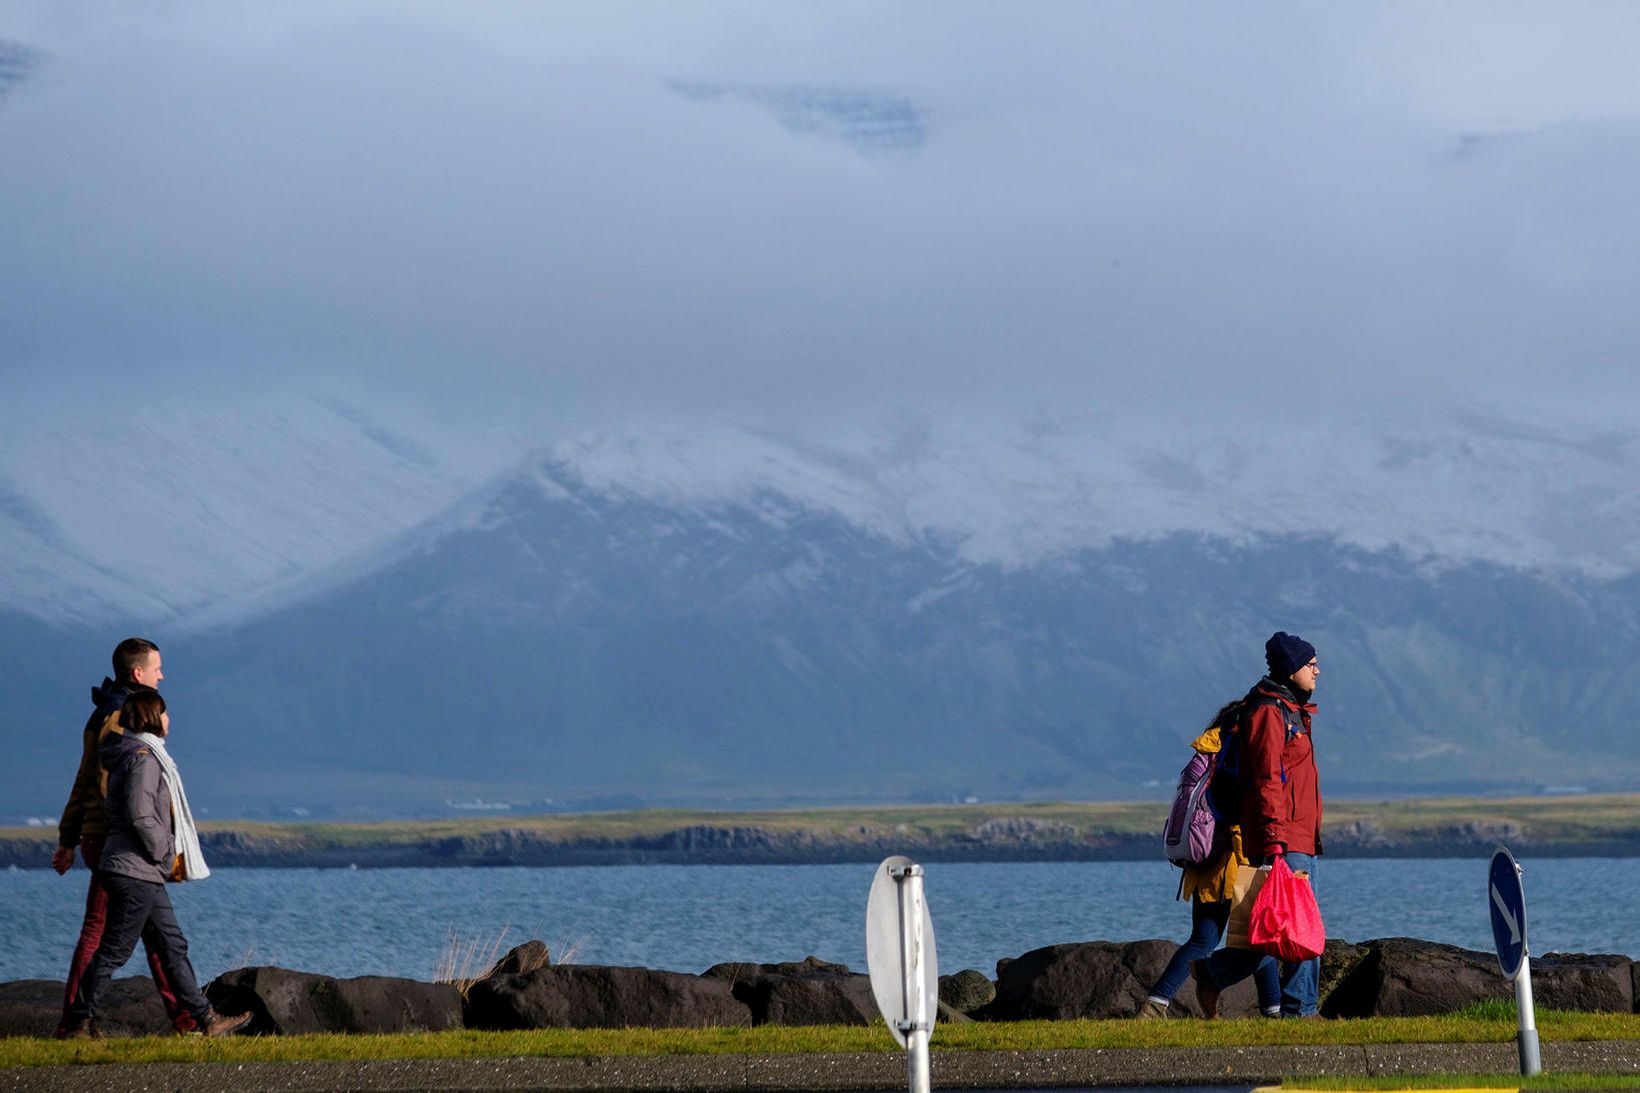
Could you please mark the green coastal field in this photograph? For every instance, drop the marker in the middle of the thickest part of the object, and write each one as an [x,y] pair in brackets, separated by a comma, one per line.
[1607,824]
[1566,820]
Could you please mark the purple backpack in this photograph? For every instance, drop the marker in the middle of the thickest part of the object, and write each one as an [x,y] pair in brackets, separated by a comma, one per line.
[1190,836]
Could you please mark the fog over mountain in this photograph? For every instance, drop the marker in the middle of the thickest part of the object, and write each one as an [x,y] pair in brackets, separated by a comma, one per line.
[927,609]
[265,508]
[724,403]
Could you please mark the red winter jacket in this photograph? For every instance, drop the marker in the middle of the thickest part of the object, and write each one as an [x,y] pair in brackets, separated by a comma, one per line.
[1280,789]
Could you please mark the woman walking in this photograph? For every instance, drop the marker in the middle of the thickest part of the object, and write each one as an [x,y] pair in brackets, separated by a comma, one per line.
[151,840]
[1211,888]
[1280,813]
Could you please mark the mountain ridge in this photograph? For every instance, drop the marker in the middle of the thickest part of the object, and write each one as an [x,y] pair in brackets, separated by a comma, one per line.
[571,634]
[356,488]
[572,645]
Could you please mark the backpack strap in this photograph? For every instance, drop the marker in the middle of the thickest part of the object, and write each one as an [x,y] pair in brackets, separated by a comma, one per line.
[1232,732]
[1292,721]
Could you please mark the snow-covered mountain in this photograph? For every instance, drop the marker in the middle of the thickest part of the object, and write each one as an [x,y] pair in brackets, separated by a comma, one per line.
[923,608]
[164,514]
[154,513]
[1452,486]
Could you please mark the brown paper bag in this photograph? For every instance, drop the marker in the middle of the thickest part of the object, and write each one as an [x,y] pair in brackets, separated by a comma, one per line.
[1248,881]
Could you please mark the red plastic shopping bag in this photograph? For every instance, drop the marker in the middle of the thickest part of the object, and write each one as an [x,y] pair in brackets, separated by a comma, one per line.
[1285,922]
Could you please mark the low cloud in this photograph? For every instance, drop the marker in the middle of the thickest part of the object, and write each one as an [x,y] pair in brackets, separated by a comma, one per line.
[567,212]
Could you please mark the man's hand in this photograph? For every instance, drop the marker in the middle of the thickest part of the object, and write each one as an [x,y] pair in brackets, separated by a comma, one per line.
[62,859]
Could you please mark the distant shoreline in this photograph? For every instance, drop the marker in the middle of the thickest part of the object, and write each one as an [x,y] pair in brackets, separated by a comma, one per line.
[1591,826]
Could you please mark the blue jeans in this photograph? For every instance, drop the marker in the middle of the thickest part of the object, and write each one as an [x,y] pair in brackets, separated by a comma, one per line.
[1300,983]
[1207,922]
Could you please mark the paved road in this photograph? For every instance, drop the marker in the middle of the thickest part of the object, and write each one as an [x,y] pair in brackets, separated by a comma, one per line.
[970,1070]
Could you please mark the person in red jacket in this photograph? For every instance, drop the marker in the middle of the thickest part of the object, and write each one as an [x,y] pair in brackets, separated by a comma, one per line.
[1274,781]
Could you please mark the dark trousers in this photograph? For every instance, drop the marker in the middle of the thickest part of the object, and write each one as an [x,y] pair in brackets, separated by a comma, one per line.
[91,935]
[1300,983]
[139,909]
[1207,922]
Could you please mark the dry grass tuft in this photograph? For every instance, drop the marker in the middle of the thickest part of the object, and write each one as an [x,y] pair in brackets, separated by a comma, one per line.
[569,949]
[466,961]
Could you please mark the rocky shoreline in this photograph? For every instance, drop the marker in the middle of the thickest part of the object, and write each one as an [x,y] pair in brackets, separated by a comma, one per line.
[1004,838]
[1387,977]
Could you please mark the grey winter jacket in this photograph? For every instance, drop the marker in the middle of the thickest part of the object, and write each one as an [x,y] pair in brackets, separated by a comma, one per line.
[140,842]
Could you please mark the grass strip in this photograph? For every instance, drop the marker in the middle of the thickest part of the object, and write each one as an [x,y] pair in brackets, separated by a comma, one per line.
[1467,1081]
[781,1040]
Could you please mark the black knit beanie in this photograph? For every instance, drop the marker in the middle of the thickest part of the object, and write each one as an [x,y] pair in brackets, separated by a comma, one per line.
[1285,654]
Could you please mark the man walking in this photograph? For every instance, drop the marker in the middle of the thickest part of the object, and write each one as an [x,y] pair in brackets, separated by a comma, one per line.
[1274,781]
[84,823]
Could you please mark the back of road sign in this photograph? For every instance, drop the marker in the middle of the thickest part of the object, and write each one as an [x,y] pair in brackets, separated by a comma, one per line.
[885,950]
[1508,906]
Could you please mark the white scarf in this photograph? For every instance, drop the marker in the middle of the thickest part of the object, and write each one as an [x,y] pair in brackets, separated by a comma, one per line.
[182,817]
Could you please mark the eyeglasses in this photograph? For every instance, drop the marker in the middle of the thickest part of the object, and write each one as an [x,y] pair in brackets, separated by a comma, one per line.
[1312,664]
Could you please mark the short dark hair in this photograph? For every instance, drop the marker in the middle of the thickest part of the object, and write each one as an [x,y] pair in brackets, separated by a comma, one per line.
[141,713]
[130,653]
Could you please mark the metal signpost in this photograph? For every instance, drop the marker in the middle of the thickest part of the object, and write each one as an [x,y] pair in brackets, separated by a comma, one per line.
[905,976]
[1507,902]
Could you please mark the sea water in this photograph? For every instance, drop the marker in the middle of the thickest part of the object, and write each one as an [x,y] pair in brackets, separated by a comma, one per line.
[400,922]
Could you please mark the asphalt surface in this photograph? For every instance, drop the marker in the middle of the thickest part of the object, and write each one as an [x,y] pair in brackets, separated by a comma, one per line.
[971,1070]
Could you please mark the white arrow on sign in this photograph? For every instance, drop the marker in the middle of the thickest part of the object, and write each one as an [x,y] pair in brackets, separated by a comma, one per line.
[1503,909]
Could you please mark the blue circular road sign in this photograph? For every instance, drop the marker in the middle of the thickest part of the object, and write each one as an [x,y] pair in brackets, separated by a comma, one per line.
[1507,902]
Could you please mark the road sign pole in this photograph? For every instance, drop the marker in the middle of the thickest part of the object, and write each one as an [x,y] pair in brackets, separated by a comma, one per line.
[904,964]
[1506,898]
[909,880]
[1527,1038]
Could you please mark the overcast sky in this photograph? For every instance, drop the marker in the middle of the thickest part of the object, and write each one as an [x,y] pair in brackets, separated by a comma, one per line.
[514,209]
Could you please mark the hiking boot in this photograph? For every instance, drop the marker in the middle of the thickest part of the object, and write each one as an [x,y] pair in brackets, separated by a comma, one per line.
[218,1024]
[84,1030]
[1152,1010]
[1207,995]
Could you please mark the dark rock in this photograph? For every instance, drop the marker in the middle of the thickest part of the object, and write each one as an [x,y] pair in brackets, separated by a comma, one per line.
[130,1007]
[32,1007]
[289,1002]
[967,990]
[1098,979]
[809,965]
[1080,979]
[587,996]
[949,1016]
[1405,977]
[1148,959]
[1579,981]
[1339,962]
[812,1000]
[806,992]
[523,958]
